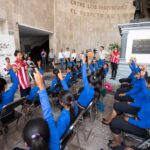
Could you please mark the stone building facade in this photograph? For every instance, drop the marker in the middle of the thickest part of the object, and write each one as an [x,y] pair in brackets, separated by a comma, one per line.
[78,24]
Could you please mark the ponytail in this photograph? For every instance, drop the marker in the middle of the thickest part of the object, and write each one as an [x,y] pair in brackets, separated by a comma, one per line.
[67,98]
[36,134]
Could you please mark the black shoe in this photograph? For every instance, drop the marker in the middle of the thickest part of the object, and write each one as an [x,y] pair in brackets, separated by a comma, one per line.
[111,78]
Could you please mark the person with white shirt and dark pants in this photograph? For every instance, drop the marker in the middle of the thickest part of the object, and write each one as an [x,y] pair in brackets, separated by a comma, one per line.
[102,55]
[61,58]
[67,56]
[74,55]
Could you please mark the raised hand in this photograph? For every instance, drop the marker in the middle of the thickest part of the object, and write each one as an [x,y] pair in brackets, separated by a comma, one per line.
[83,59]
[39,79]
[8,66]
[60,76]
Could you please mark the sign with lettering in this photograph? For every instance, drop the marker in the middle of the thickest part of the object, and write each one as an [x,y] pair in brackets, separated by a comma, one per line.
[98,10]
[7,49]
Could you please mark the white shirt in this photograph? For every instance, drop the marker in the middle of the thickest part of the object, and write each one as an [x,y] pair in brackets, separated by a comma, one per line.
[60,55]
[51,55]
[74,55]
[67,54]
[43,54]
[103,54]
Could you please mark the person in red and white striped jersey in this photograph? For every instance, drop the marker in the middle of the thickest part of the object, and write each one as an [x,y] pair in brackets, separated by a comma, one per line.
[21,70]
[114,59]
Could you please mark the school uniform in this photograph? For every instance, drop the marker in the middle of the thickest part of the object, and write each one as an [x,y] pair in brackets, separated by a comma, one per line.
[87,95]
[139,85]
[53,87]
[66,88]
[8,96]
[54,142]
[33,93]
[133,126]
[68,77]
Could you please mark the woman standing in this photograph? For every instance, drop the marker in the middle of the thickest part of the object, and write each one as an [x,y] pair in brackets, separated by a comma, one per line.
[114,59]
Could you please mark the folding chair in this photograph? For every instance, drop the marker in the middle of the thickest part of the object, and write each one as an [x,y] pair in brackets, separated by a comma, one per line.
[66,139]
[143,143]
[9,115]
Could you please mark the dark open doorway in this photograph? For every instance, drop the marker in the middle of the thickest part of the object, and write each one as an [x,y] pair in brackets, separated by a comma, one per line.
[32,41]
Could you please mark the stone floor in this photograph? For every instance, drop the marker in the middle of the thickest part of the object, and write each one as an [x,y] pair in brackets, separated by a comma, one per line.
[100,134]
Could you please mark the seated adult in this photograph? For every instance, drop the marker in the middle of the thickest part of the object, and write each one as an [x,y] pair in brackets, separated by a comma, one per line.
[7,96]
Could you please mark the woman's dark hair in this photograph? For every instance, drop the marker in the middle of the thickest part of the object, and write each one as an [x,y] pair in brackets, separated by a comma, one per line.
[94,80]
[36,134]
[2,87]
[67,98]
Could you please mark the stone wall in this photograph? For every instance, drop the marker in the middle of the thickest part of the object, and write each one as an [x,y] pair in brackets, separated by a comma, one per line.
[78,24]
[83,24]
[35,13]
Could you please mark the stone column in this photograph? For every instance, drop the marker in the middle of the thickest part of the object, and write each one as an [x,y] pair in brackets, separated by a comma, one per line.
[16,36]
[124,36]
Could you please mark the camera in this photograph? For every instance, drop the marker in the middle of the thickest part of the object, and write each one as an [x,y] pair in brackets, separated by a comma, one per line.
[94,51]
[55,71]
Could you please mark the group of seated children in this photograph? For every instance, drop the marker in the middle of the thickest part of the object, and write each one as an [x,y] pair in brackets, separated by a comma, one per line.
[45,133]
[131,110]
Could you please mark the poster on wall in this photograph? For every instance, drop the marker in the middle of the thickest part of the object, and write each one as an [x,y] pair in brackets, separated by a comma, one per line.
[7,49]
[141,46]
[138,45]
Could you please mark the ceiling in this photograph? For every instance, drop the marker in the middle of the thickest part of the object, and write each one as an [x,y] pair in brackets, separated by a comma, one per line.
[25,31]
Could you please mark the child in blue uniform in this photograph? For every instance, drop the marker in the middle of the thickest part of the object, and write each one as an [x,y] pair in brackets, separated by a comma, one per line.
[42,133]
[8,96]
[34,90]
[137,126]
[139,85]
[68,75]
[66,88]
[140,108]
[87,95]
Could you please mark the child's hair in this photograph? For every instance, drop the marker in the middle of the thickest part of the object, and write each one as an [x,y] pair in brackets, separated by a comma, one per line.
[67,98]
[94,80]
[36,134]
[16,52]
